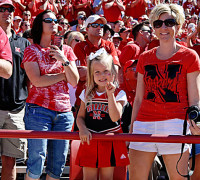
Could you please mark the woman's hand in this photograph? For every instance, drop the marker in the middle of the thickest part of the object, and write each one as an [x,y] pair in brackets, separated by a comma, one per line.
[194,128]
[58,54]
[85,136]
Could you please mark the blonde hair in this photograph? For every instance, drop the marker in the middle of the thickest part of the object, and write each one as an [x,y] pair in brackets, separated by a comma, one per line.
[175,10]
[72,35]
[91,86]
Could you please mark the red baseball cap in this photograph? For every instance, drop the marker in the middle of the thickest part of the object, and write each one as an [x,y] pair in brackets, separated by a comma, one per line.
[6,2]
[128,64]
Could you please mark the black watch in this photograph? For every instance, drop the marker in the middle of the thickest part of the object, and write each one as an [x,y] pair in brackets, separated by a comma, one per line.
[66,63]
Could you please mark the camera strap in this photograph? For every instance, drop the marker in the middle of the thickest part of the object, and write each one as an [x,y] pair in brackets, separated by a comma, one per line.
[182,148]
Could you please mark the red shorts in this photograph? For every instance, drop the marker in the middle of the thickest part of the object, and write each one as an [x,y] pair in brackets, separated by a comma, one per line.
[102,154]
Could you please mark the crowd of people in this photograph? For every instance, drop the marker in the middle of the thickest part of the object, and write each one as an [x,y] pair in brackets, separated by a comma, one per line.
[122,66]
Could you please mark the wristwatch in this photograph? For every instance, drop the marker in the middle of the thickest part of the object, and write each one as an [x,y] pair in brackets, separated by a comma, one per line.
[66,63]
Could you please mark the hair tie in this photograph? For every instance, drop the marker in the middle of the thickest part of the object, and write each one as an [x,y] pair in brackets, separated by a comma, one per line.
[97,53]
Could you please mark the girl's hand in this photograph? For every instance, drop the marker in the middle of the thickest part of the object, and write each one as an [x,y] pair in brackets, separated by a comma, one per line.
[85,136]
[58,54]
[110,88]
[194,128]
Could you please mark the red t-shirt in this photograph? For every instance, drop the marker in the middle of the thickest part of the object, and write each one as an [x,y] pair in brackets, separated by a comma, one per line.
[166,95]
[69,15]
[83,50]
[18,11]
[129,52]
[56,96]
[35,9]
[86,8]
[136,11]
[113,13]
[188,5]
[123,43]
[195,10]
[5,50]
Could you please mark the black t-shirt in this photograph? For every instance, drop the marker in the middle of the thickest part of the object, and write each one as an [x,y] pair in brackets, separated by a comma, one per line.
[13,91]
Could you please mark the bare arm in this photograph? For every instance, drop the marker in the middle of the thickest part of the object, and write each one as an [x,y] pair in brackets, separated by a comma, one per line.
[44,6]
[109,4]
[193,84]
[84,134]
[138,99]
[5,68]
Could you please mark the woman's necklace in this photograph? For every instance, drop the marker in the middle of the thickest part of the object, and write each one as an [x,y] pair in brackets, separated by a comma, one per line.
[166,56]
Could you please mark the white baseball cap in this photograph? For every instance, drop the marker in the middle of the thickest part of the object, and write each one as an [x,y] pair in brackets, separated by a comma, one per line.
[94,18]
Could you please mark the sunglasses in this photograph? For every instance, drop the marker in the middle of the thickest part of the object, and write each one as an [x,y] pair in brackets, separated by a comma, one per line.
[50,20]
[167,22]
[77,40]
[9,9]
[27,14]
[95,25]
[63,23]
[149,31]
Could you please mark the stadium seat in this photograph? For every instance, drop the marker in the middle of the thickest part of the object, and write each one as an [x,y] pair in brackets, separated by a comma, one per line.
[76,171]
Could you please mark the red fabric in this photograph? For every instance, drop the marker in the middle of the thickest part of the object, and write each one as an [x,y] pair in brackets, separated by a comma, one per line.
[129,52]
[69,15]
[195,10]
[113,13]
[5,50]
[187,5]
[35,9]
[165,95]
[85,8]
[137,10]
[56,96]
[18,11]
[89,155]
[83,50]
[196,48]
[122,43]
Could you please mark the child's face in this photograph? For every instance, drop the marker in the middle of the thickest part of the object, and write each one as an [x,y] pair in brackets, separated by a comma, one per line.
[102,74]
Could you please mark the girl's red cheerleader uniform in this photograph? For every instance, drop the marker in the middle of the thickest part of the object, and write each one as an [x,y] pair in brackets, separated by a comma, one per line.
[102,153]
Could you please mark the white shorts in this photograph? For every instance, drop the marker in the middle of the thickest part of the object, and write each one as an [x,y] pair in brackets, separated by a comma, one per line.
[167,127]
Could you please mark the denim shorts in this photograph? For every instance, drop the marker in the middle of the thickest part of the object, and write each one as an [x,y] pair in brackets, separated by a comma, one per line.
[167,127]
[41,119]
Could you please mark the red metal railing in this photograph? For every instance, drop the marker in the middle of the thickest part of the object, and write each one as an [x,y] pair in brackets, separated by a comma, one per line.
[74,136]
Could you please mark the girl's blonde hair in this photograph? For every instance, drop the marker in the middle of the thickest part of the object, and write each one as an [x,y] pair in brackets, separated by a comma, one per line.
[175,10]
[91,86]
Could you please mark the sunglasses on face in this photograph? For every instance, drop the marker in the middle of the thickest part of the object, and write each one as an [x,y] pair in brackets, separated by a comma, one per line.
[77,40]
[9,9]
[149,31]
[63,23]
[50,20]
[95,25]
[167,22]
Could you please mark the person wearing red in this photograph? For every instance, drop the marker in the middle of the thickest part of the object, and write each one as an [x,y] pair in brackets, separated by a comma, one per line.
[101,108]
[124,34]
[135,8]
[94,24]
[83,5]
[142,37]
[196,9]
[48,107]
[5,55]
[17,24]
[188,5]
[68,11]
[33,7]
[20,7]
[167,82]
[112,10]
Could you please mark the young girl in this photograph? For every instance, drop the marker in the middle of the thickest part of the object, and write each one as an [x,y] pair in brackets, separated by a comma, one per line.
[100,112]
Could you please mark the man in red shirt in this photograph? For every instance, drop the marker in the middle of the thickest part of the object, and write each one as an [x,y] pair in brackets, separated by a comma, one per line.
[94,27]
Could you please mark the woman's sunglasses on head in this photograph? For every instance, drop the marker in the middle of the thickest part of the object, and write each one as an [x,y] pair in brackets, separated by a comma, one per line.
[50,20]
[167,22]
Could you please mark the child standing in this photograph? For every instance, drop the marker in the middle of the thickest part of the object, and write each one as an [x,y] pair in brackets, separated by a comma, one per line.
[100,112]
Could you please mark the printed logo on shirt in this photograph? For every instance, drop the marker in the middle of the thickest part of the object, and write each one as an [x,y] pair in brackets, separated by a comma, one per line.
[17,49]
[123,156]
